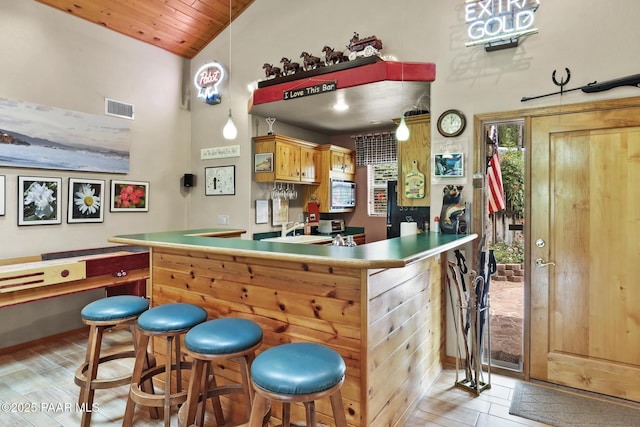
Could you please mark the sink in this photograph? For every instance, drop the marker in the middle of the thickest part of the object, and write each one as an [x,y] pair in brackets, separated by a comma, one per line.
[300,238]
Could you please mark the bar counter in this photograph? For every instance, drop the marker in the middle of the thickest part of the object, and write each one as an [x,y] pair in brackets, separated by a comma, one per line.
[380,305]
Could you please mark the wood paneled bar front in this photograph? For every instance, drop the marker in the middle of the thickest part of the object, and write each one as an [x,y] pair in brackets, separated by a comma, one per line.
[380,305]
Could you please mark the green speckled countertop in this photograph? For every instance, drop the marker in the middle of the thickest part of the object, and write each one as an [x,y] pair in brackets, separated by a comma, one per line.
[390,253]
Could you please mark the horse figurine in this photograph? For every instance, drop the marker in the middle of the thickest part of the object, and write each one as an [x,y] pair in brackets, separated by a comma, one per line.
[311,62]
[270,70]
[289,67]
[332,57]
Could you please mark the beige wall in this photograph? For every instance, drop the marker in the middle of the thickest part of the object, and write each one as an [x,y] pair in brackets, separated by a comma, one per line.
[53,59]
[587,38]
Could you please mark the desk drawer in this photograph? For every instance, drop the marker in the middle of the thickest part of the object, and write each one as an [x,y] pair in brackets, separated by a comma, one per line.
[38,274]
[116,265]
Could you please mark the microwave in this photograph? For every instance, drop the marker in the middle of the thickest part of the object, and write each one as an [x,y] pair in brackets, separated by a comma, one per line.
[342,194]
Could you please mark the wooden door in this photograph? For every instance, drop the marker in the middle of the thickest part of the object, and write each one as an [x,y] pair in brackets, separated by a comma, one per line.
[585,218]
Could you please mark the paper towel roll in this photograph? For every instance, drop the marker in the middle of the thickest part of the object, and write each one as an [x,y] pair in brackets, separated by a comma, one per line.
[408,228]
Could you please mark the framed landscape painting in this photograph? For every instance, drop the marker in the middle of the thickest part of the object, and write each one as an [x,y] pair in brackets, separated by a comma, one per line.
[129,196]
[39,200]
[86,200]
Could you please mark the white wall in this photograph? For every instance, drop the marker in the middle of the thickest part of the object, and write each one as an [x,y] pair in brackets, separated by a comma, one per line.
[54,59]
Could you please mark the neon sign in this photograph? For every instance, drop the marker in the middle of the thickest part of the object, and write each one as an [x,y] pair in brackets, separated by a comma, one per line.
[491,21]
[207,79]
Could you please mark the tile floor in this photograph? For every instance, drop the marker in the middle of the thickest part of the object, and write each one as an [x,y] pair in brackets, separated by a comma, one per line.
[37,389]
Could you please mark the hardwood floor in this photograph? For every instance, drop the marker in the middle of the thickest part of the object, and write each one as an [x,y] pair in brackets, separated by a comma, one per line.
[37,389]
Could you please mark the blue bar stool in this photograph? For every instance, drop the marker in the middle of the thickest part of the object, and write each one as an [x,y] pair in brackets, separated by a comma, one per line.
[101,315]
[169,321]
[215,341]
[297,372]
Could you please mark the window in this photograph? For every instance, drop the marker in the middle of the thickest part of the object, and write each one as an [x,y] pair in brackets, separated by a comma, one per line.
[377,177]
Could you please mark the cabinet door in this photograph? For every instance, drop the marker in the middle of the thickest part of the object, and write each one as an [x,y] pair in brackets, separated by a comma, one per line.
[287,161]
[337,161]
[310,162]
[349,162]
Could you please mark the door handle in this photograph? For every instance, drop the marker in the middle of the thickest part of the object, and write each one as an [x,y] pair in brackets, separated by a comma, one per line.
[541,263]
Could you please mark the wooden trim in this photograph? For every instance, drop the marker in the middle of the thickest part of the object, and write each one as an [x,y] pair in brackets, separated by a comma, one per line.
[479,165]
[48,339]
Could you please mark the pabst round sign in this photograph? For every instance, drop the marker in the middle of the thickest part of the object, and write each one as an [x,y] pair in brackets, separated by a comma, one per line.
[207,79]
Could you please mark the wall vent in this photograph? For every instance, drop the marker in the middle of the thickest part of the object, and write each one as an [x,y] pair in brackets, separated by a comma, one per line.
[118,109]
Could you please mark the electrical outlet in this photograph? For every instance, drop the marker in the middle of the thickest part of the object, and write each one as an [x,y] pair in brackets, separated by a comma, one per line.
[223,219]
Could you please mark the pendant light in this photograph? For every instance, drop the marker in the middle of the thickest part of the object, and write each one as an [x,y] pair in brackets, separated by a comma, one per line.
[402,132]
[230,131]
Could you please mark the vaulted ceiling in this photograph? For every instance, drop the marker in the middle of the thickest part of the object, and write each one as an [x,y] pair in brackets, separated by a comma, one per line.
[182,27]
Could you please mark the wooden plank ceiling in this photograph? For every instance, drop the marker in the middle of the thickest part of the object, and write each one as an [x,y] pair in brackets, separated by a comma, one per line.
[182,27]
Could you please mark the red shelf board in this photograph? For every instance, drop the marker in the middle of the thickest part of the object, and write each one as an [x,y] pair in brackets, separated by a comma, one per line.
[372,73]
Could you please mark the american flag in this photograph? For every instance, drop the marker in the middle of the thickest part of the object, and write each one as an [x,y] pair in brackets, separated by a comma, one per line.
[495,195]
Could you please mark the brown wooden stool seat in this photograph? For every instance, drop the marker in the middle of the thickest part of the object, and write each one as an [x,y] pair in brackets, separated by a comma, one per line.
[102,315]
[297,373]
[168,321]
[218,341]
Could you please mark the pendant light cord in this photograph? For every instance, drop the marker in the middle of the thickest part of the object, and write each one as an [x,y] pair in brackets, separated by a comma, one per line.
[230,1]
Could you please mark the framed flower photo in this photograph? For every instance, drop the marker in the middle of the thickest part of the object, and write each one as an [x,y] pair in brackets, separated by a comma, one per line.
[129,196]
[86,200]
[39,200]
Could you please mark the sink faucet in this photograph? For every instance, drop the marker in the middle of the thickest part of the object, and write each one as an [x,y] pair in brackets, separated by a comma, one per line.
[285,230]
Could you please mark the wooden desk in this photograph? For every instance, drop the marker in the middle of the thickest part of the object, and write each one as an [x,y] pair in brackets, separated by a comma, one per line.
[121,272]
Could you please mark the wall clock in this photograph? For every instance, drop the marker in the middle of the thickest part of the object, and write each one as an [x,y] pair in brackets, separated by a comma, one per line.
[220,180]
[451,123]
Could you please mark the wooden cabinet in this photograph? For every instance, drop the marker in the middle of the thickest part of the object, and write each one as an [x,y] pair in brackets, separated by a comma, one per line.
[342,160]
[293,160]
[418,148]
[337,163]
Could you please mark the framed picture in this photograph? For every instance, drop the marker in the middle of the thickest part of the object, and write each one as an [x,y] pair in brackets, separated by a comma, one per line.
[262,211]
[280,211]
[39,200]
[220,180]
[86,200]
[129,196]
[2,195]
[448,165]
[264,162]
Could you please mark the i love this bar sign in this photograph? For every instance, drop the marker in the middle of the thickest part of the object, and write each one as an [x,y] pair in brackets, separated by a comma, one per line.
[309,90]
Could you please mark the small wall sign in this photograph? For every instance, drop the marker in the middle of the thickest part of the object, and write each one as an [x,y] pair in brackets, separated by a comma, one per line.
[310,90]
[495,22]
[207,79]
[220,152]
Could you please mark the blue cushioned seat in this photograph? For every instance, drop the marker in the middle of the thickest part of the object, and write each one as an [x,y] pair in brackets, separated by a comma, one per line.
[297,369]
[223,336]
[171,317]
[114,308]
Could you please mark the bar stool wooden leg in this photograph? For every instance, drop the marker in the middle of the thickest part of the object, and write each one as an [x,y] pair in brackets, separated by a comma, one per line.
[338,409]
[138,368]
[259,411]
[92,359]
